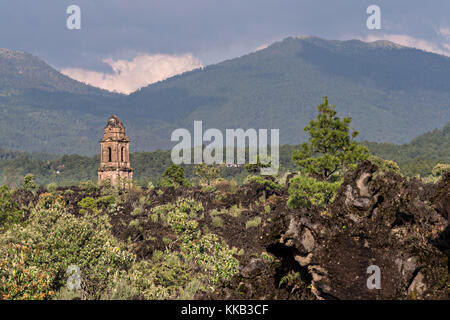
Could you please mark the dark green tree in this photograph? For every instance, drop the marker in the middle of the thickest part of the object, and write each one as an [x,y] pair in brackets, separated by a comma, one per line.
[331,147]
[173,176]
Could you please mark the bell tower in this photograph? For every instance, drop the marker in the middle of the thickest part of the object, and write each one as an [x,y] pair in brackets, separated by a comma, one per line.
[114,153]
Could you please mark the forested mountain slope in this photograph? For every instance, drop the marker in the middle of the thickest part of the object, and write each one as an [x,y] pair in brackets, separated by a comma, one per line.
[393,94]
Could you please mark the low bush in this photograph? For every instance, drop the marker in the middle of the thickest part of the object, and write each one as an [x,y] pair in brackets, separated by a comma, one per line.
[305,191]
[53,235]
[252,223]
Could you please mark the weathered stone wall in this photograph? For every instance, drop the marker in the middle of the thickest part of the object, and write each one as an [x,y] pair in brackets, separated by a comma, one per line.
[115,153]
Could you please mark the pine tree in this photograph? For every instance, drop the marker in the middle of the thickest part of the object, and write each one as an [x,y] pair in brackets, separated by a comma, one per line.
[331,148]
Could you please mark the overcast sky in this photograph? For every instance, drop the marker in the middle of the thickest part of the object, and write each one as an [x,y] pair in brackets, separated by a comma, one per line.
[119,39]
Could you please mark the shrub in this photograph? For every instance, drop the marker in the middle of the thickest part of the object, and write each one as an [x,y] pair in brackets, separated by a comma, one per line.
[440,168]
[20,278]
[235,211]
[134,223]
[150,185]
[154,217]
[267,256]
[253,222]
[51,187]
[9,210]
[88,186]
[207,173]
[29,184]
[197,267]
[50,201]
[266,183]
[88,204]
[105,201]
[104,184]
[217,222]
[137,211]
[208,189]
[54,235]
[385,165]
[173,176]
[306,191]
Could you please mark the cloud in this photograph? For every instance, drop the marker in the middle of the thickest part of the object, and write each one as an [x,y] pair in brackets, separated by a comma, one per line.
[409,41]
[128,76]
[445,32]
[262,47]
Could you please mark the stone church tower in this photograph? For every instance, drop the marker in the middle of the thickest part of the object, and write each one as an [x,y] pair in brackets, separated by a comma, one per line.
[115,153]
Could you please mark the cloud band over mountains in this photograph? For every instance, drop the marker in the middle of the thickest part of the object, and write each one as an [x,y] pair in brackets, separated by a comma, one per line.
[128,76]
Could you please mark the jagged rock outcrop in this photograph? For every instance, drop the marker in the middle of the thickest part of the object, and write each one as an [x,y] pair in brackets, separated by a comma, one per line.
[379,221]
[382,220]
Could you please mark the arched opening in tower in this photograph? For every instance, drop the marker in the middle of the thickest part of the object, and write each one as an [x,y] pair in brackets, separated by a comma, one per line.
[121,154]
[109,154]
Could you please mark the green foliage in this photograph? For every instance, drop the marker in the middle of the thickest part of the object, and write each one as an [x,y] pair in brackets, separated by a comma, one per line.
[267,256]
[440,168]
[330,148]
[305,191]
[9,210]
[255,168]
[52,234]
[88,186]
[105,201]
[29,184]
[217,222]
[384,165]
[267,183]
[207,173]
[252,223]
[88,205]
[235,211]
[134,224]
[420,155]
[173,176]
[290,279]
[202,260]
[51,187]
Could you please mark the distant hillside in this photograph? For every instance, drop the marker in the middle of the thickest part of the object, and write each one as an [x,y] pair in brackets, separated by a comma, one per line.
[417,157]
[43,110]
[420,155]
[393,94]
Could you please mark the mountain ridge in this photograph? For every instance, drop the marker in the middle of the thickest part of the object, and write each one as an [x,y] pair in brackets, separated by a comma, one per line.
[393,93]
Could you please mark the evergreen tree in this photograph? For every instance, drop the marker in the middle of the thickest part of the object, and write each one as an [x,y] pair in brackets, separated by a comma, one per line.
[331,148]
